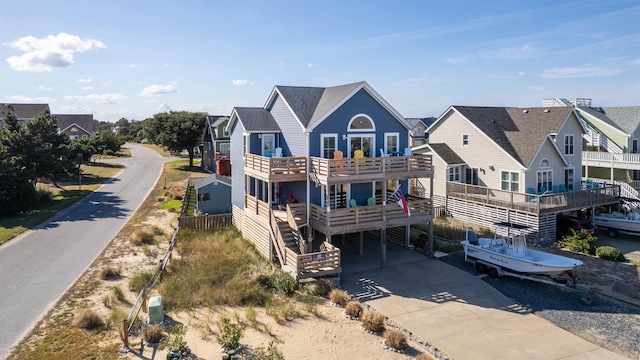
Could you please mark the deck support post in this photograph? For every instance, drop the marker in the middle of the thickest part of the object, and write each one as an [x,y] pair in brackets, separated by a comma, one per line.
[361,242]
[431,239]
[407,237]
[343,238]
[383,246]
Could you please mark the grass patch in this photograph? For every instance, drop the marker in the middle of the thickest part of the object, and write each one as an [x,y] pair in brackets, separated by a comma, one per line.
[372,321]
[139,280]
[395,339]
[87,319]
[339,297]
[143,237]
[172,205]
[218,268]
[110,273]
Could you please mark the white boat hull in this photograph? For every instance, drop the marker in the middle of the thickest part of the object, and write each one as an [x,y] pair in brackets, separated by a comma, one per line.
[629,223]
[527,261]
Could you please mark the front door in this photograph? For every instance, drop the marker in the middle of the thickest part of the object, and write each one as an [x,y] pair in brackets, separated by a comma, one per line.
[364,142]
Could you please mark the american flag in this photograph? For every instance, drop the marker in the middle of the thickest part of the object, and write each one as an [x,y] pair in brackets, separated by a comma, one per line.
[398,196]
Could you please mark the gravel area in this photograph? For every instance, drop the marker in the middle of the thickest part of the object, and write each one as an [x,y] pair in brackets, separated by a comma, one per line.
[607,322]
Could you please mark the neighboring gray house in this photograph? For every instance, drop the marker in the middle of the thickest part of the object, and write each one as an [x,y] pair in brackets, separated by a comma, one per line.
[77,126]
[214,194]
[215,142]
[23,112]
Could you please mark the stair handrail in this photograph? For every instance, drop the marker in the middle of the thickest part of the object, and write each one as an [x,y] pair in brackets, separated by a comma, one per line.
[297,234]
[279,242]
[627,191]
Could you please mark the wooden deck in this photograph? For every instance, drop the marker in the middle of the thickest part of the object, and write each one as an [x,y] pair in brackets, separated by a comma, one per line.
[364,218]
[535,204]
[279,169]
[337,171]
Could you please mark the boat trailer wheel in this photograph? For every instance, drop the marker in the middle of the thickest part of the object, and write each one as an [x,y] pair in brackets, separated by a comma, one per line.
[493,273]
[612,233]
[480,268]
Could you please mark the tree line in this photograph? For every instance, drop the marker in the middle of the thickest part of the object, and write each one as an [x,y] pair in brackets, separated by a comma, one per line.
[35,150]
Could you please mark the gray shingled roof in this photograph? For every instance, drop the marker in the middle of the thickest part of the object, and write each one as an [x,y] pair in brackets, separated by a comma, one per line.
[447,154]
[256,119]
[310,104]
[84,121]
[623,118]
[519,131]
[23,111]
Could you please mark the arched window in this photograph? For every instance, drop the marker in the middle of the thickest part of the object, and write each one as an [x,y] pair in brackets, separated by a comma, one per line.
[361,122]
[544,163]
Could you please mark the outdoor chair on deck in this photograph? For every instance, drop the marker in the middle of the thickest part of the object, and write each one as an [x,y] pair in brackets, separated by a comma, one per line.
[358,154]
[340,163]
[532,191]
[382,153]
[556,189]
[408,152]
[278,152]
[371,201]
[353,203]
[563,188]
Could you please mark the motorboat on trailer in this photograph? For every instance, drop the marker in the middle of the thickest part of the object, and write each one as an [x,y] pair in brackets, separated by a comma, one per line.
[492,255]
[615,222]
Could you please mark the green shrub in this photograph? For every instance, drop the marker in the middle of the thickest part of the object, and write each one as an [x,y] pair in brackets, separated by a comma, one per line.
[44,196]
[143,237]
[279,281]
[115,318]
[175,339]
[229,334]
[139,280]
[580,241]
[271,352]
[118,293]
[16,195]
[609,253]
[322,287]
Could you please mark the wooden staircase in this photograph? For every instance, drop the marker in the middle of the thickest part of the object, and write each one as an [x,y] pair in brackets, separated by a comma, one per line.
[286,233]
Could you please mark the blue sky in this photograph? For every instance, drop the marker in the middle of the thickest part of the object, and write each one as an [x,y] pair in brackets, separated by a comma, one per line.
[134,59]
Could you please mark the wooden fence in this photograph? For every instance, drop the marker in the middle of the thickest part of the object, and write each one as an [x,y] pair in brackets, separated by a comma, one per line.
[205,222]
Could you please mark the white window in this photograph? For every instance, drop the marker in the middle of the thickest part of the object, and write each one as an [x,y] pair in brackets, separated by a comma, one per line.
[391,142]
[545,181]
[465,140]
[454,174]
[74,129]
[268,144]
[366,143]
[361,122]
[510,181]
[84,136]
[328,143]
[224,148]
[74,137]
[417,131]
[568,144]
[245,145]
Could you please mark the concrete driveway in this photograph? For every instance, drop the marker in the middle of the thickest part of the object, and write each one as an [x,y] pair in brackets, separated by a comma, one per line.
[453,310]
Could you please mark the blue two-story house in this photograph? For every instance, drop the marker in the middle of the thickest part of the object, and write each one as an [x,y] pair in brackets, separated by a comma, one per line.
[316,162]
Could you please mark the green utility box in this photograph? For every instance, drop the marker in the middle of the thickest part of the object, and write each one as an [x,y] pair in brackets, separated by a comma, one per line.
[155,311]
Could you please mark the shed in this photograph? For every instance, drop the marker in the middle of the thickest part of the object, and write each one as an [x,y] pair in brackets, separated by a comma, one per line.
[214,194]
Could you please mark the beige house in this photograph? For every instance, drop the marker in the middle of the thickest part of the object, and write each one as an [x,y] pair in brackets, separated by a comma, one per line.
[494,164]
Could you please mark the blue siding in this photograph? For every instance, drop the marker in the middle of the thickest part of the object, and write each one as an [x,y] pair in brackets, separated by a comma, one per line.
[220,199]
[295,142]
[360,103]
[237,166]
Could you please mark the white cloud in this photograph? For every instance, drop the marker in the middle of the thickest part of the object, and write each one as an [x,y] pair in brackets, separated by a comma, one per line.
[157,90]
[418,79]
[87,88]
[23,98]
[99,98]
[74,109]
[310,65]
[84,80]
[42,87]
[578,72]
[131,66]
[50,52]
[239,82]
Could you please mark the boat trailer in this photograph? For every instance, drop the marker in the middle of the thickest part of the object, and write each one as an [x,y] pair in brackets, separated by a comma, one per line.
[496,271]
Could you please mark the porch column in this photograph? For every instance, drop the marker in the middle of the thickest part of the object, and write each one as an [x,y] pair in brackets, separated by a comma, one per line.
[407,237]
[431,239]
[361,242]
[383,246]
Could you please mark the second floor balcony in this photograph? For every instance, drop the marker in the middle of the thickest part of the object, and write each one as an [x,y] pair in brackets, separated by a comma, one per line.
[271,169]
[629,161]
[352,170]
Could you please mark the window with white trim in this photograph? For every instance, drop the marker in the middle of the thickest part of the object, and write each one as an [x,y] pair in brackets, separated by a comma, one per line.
[545,163]
[391,142]
[245,145]
[545,180]
[329,143]
[465,140]
[510,181]
[568,144]
[361,122]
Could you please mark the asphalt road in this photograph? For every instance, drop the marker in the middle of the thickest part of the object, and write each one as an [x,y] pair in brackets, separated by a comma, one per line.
[37,267]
